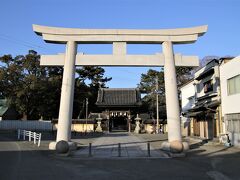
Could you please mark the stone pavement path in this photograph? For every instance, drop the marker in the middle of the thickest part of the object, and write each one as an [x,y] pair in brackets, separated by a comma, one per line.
[132,146]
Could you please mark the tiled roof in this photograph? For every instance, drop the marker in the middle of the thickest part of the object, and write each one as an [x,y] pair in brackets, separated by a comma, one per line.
[118,97]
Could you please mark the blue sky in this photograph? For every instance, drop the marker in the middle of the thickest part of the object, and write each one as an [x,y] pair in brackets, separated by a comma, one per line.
[222,17]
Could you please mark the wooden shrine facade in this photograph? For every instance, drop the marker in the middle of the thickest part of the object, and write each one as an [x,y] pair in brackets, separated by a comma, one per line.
[120,105]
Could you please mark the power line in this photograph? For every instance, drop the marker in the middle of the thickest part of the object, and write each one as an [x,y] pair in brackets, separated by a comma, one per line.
[14,41]
[21,42]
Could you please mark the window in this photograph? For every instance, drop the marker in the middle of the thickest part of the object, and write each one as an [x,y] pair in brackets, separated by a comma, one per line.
[208,86]
[233,85]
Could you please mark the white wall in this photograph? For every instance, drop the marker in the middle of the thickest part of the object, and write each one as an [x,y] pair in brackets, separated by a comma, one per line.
[230,104]
[186,92]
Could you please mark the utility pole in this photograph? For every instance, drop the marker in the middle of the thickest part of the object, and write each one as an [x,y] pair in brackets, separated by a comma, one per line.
[157,126]
[86,112]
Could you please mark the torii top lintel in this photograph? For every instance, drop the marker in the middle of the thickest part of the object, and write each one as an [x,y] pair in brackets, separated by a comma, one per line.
[131,36]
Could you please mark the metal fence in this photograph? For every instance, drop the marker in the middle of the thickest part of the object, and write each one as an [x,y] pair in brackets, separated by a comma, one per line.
[31,135]
[27,125]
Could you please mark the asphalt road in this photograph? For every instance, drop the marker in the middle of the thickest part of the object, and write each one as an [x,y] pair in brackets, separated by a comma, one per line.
[24,161]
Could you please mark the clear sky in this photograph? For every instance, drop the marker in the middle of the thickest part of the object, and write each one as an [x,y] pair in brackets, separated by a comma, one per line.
[222,17]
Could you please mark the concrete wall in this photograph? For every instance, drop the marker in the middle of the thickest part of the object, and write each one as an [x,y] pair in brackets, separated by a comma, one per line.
[26,125]
[79,127]
[150,128]
[230,104]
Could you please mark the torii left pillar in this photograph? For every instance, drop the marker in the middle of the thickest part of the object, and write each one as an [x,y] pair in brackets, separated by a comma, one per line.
[67,93]
[174,143]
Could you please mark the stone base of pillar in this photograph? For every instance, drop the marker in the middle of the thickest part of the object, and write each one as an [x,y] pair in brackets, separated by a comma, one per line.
[72,145]
[185,146]
[175,146]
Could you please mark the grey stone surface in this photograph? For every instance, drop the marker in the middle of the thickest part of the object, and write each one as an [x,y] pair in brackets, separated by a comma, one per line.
[62,147]
[141,36]
[131,147]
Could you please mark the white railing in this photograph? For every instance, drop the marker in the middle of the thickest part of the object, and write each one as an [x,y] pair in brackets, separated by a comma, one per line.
[24,133]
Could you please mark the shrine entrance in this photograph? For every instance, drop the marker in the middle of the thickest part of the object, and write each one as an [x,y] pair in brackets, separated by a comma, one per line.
[118,123]
[120,105]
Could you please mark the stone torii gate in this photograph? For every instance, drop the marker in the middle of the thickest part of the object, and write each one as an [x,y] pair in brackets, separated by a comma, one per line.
[120,38]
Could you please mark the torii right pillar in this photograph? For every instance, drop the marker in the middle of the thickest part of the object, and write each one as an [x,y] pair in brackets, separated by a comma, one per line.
[175,143]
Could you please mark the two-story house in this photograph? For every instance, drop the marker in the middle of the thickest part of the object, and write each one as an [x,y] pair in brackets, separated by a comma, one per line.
[207,100]
[205,113]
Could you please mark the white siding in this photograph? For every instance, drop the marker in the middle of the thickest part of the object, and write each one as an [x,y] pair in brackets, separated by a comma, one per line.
[187,91]
[188,100]
[230,103]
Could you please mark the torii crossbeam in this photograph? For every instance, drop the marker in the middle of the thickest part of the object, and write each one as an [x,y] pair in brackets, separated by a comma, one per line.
[119,60]
[120,38]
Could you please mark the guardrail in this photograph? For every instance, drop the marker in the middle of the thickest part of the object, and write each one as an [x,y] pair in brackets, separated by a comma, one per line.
[24,133]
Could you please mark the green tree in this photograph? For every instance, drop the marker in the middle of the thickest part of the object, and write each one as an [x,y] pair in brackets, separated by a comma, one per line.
[34,91]
[26,85]
[51,91]
[94,76]
[148,85]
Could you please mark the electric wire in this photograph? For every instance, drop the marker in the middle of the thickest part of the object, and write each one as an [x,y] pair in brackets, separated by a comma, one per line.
[21,42]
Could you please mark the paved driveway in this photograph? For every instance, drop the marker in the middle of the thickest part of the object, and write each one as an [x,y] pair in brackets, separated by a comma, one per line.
[25,161]
[120,144]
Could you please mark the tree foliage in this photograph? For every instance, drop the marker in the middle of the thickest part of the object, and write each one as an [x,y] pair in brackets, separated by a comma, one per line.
[34,91]
[148,85]
[93,73]
[21,82]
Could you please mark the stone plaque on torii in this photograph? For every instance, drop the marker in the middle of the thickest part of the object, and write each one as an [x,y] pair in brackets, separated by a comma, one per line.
[120,38]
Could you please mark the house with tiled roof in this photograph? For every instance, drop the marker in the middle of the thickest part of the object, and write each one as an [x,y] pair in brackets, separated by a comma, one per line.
[201,102]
